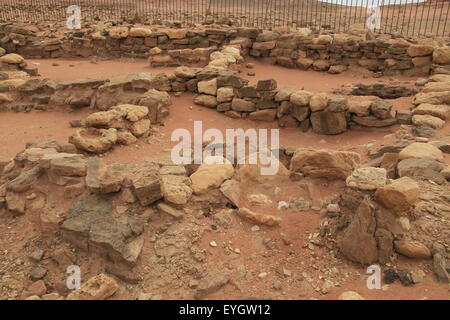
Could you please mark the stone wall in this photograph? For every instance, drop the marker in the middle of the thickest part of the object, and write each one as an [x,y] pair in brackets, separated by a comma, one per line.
[301,49]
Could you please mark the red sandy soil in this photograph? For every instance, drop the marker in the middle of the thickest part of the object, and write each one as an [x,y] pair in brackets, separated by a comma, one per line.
[55,124]
[254,258]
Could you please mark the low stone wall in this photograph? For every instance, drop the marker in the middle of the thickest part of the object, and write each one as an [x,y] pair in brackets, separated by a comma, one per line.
[296,49]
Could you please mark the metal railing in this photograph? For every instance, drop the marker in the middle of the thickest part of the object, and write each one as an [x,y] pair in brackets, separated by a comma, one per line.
[427,18]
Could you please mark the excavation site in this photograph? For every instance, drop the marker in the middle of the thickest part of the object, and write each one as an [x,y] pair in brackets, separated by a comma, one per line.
[207,153]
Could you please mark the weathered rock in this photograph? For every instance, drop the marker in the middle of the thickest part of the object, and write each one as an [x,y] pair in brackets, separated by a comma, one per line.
[68,166]
[327,122]
[412,249]
[441,55]
[156,101]
[177,214]
[440,268]
[118,32]
[211,174]
[442,97]
[421,150]
[301,98]
[358,241]
[205,100]
[132,112]
[440,111]
[210,284]
[417,50]
[231,190]
[367,178]
[398,196]
[318,102]
[146,184]
[91,226]
[350,295]
[371,121]
[94,140]
[421,168]
[266,85]
[37,288]
[381,109]
[208,87]
[242,105]
[324,163]
[258,218]
[99,287]
[11,58]
[140,127]
[225,94]
[262,167]
[263,115]
[176,189]
[427,120]
[140,32]
[176,33]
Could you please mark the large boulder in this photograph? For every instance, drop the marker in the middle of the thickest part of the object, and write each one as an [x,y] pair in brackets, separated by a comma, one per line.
[211,174]
[333,165]
[398,196]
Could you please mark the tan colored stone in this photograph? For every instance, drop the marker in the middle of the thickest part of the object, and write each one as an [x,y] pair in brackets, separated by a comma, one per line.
[324,163]
[118,32]
[99,287]
[258,218]
[427,120]
[420,150]
[398,196]
[11,58]
[211,174]
[412,249]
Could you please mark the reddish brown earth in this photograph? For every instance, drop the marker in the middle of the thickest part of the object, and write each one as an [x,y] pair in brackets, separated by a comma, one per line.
[290,238]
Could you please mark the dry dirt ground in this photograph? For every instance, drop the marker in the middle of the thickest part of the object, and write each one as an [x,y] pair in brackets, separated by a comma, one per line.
[284,262]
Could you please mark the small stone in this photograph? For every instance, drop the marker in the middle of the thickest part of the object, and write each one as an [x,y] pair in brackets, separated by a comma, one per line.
[213,244]
[277,285]
[37,255]
[255,228]
[262,275]
[390,275]
[37,273]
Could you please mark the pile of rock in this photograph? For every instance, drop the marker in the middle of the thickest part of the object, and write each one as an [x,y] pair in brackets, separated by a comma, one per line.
[373,113]
[376,211]
[432,104]
[121,124]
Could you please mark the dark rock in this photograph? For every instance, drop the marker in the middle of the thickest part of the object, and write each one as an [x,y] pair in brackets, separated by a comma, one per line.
[390,275]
